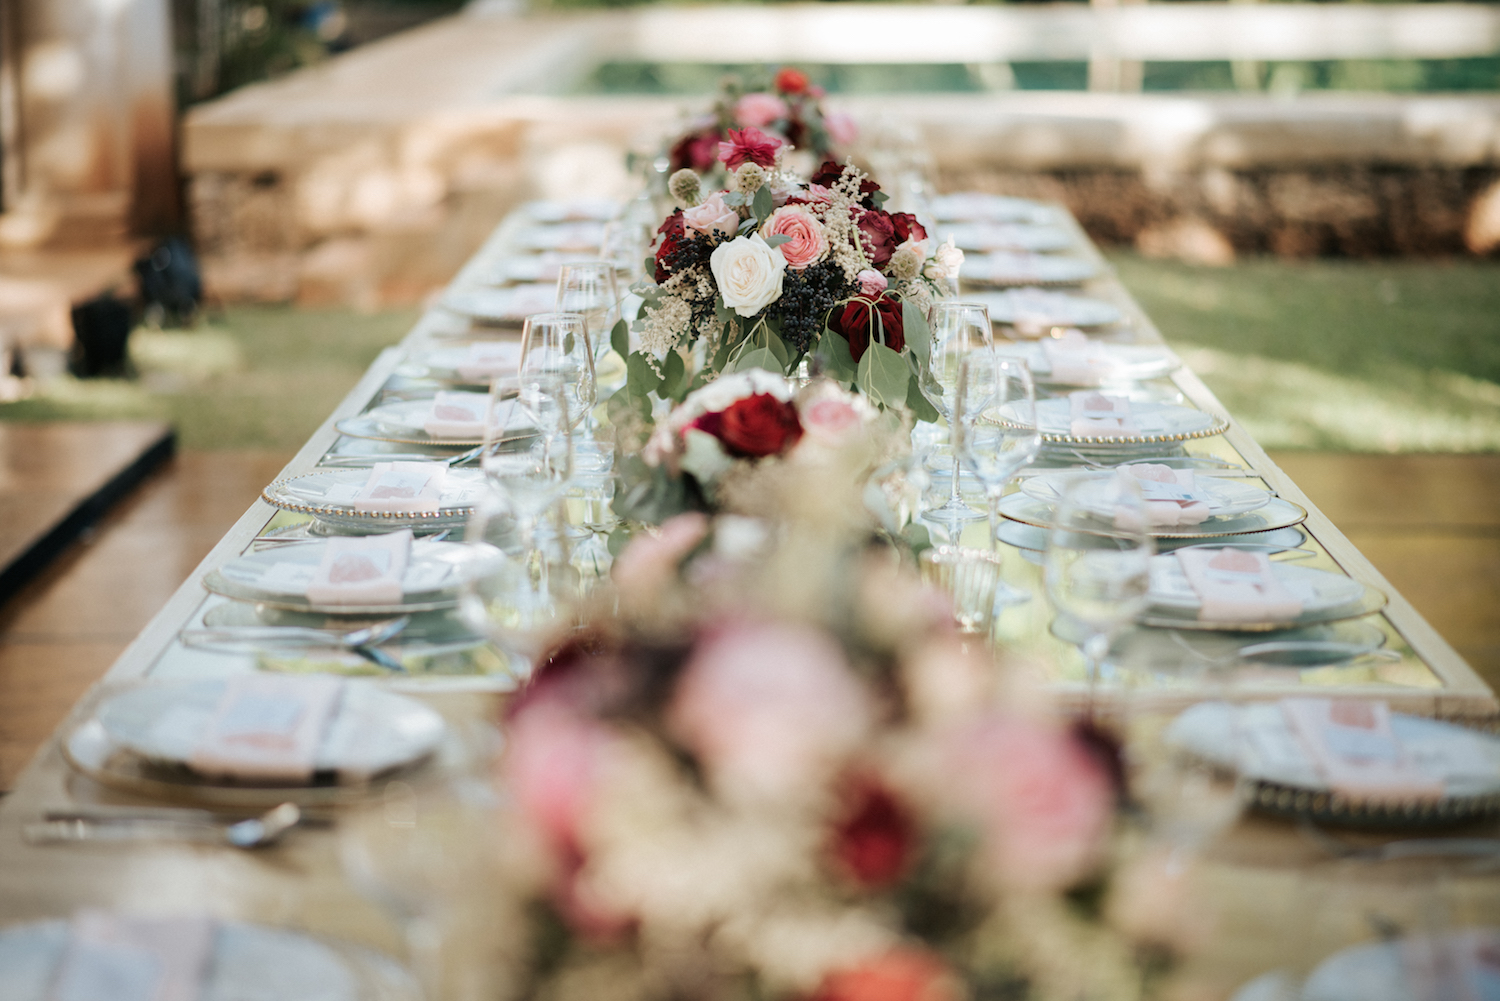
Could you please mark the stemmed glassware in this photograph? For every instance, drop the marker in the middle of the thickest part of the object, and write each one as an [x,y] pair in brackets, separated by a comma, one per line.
[958,328]
[994,432]
[590,289]
[1098,562]
[556,355]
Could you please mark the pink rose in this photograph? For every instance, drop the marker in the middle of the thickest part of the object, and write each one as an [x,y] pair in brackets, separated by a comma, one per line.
[748,145]
[832,417]
[871,282]
[759,109]
[553,761]
[841,128]
[1043,799]
[768,708]
[713,216]
[807,243]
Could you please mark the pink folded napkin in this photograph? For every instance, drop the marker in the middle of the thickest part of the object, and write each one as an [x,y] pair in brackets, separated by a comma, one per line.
[402,488]
[268,727]
[114,958]
[1095,415]
[1172,495]
[1352,746]
[484,360]
[457,415]
[1075,359]
[1236,586]
[361,571]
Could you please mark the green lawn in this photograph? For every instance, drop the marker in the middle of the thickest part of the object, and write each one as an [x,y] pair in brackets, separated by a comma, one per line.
[256,377]
[1342,355]
[1362,356]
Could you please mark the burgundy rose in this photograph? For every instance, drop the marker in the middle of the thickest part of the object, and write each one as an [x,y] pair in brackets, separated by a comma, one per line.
[828,175]
[754,427]
[877,232]
[907,227]
[853,323]
[875,840]
[697,151]
[672,233]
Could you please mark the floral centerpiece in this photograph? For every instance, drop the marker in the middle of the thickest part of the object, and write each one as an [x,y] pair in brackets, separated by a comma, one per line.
[777,273]
[787,105]
[777,772]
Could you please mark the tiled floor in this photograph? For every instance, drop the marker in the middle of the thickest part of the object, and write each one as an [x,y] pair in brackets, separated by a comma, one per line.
[1430,523]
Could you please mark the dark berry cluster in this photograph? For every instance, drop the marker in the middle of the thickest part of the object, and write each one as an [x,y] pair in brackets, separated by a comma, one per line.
[806,298]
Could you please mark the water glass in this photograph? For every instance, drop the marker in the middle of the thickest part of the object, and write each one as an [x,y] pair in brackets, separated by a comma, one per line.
[969,578]
[555,354]
[958,329]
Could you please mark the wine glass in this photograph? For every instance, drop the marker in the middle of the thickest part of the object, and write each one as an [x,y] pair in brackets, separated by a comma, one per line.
[995,433]
[1098,562]
[958,328]
[589,288]
[555,352]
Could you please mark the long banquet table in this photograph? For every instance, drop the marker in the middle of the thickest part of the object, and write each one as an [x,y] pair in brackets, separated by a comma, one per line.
[1267,877]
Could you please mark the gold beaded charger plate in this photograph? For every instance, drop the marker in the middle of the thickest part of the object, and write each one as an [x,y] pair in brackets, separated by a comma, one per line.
[402,423]
[1224,498]
[1275,513]
[328,495]
[247,962]
[1157,424]
[1285,782]
[1324,596]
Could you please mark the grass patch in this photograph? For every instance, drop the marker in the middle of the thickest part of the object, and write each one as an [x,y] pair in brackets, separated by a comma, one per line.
[255,377]
[1387,356]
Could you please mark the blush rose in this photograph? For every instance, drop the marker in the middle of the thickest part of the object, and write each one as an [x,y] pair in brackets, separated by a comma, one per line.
[712,216]
[806,245]
[760,109]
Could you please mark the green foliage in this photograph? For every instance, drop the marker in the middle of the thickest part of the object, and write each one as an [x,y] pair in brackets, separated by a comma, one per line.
[883,376]
[619,339]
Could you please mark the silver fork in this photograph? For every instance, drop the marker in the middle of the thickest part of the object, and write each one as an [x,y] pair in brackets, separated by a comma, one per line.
[370,460]
[363,641]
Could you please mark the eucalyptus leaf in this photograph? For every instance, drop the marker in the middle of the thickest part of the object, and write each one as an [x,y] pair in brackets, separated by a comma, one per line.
[777,240]
[734,199]
[883,376]
[917,334]
[833,353]
[760,358]
[879,198]
[920,406]
[917,536]
[674,379]
[763,204]
[619,339]
[640,373]
[747,226]
[778,348]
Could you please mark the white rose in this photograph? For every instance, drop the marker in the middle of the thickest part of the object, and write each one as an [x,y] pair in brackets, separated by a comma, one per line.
[748,272]
[950,258]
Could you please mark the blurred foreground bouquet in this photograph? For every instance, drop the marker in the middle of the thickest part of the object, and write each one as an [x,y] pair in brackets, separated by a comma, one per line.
[783,274]
[775,771]
[787,106]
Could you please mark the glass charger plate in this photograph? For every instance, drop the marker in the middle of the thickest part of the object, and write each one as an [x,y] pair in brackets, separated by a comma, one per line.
[1277,513]
[443,363]
[1021,268]
[402,422]
[1286,783]
[1158,423]
[1128,362]
[1325,596]
[1032,539]
[973,206]
[1171,651]
[431,581]
[990,236]
[1225,498]
[502,306]
[247,963]
[328,495]
[1042,308]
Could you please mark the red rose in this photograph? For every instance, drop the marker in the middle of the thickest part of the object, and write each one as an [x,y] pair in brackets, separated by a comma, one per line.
[754,427]
[790,81]
[907,227]
[875,840]
[828,175]
[878,235]
[697,151]
[853,323]
[900,975]
[672,233]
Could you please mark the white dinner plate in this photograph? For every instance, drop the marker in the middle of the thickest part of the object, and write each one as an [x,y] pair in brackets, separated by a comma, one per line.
[404,422]
[1277,513]
[572,210]
[543,267]
[443,363]
[1043,308]
[328,494]
[568,237]
[1021,268]
[1256,739]
[278,576]
[984,237]
[508,306]
[1225,498]
[247,963]
[1157,422]
[975,206]
[1325,597]
[1127,362]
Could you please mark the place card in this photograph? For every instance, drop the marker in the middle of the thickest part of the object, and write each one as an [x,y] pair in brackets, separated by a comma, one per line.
[268,727]
[361,571]
[1354,750]
[402,488]
[1172,495]
[457,415]
[1095,415]
[1236,586]
[115,958]
[1075,359]
[484,360]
